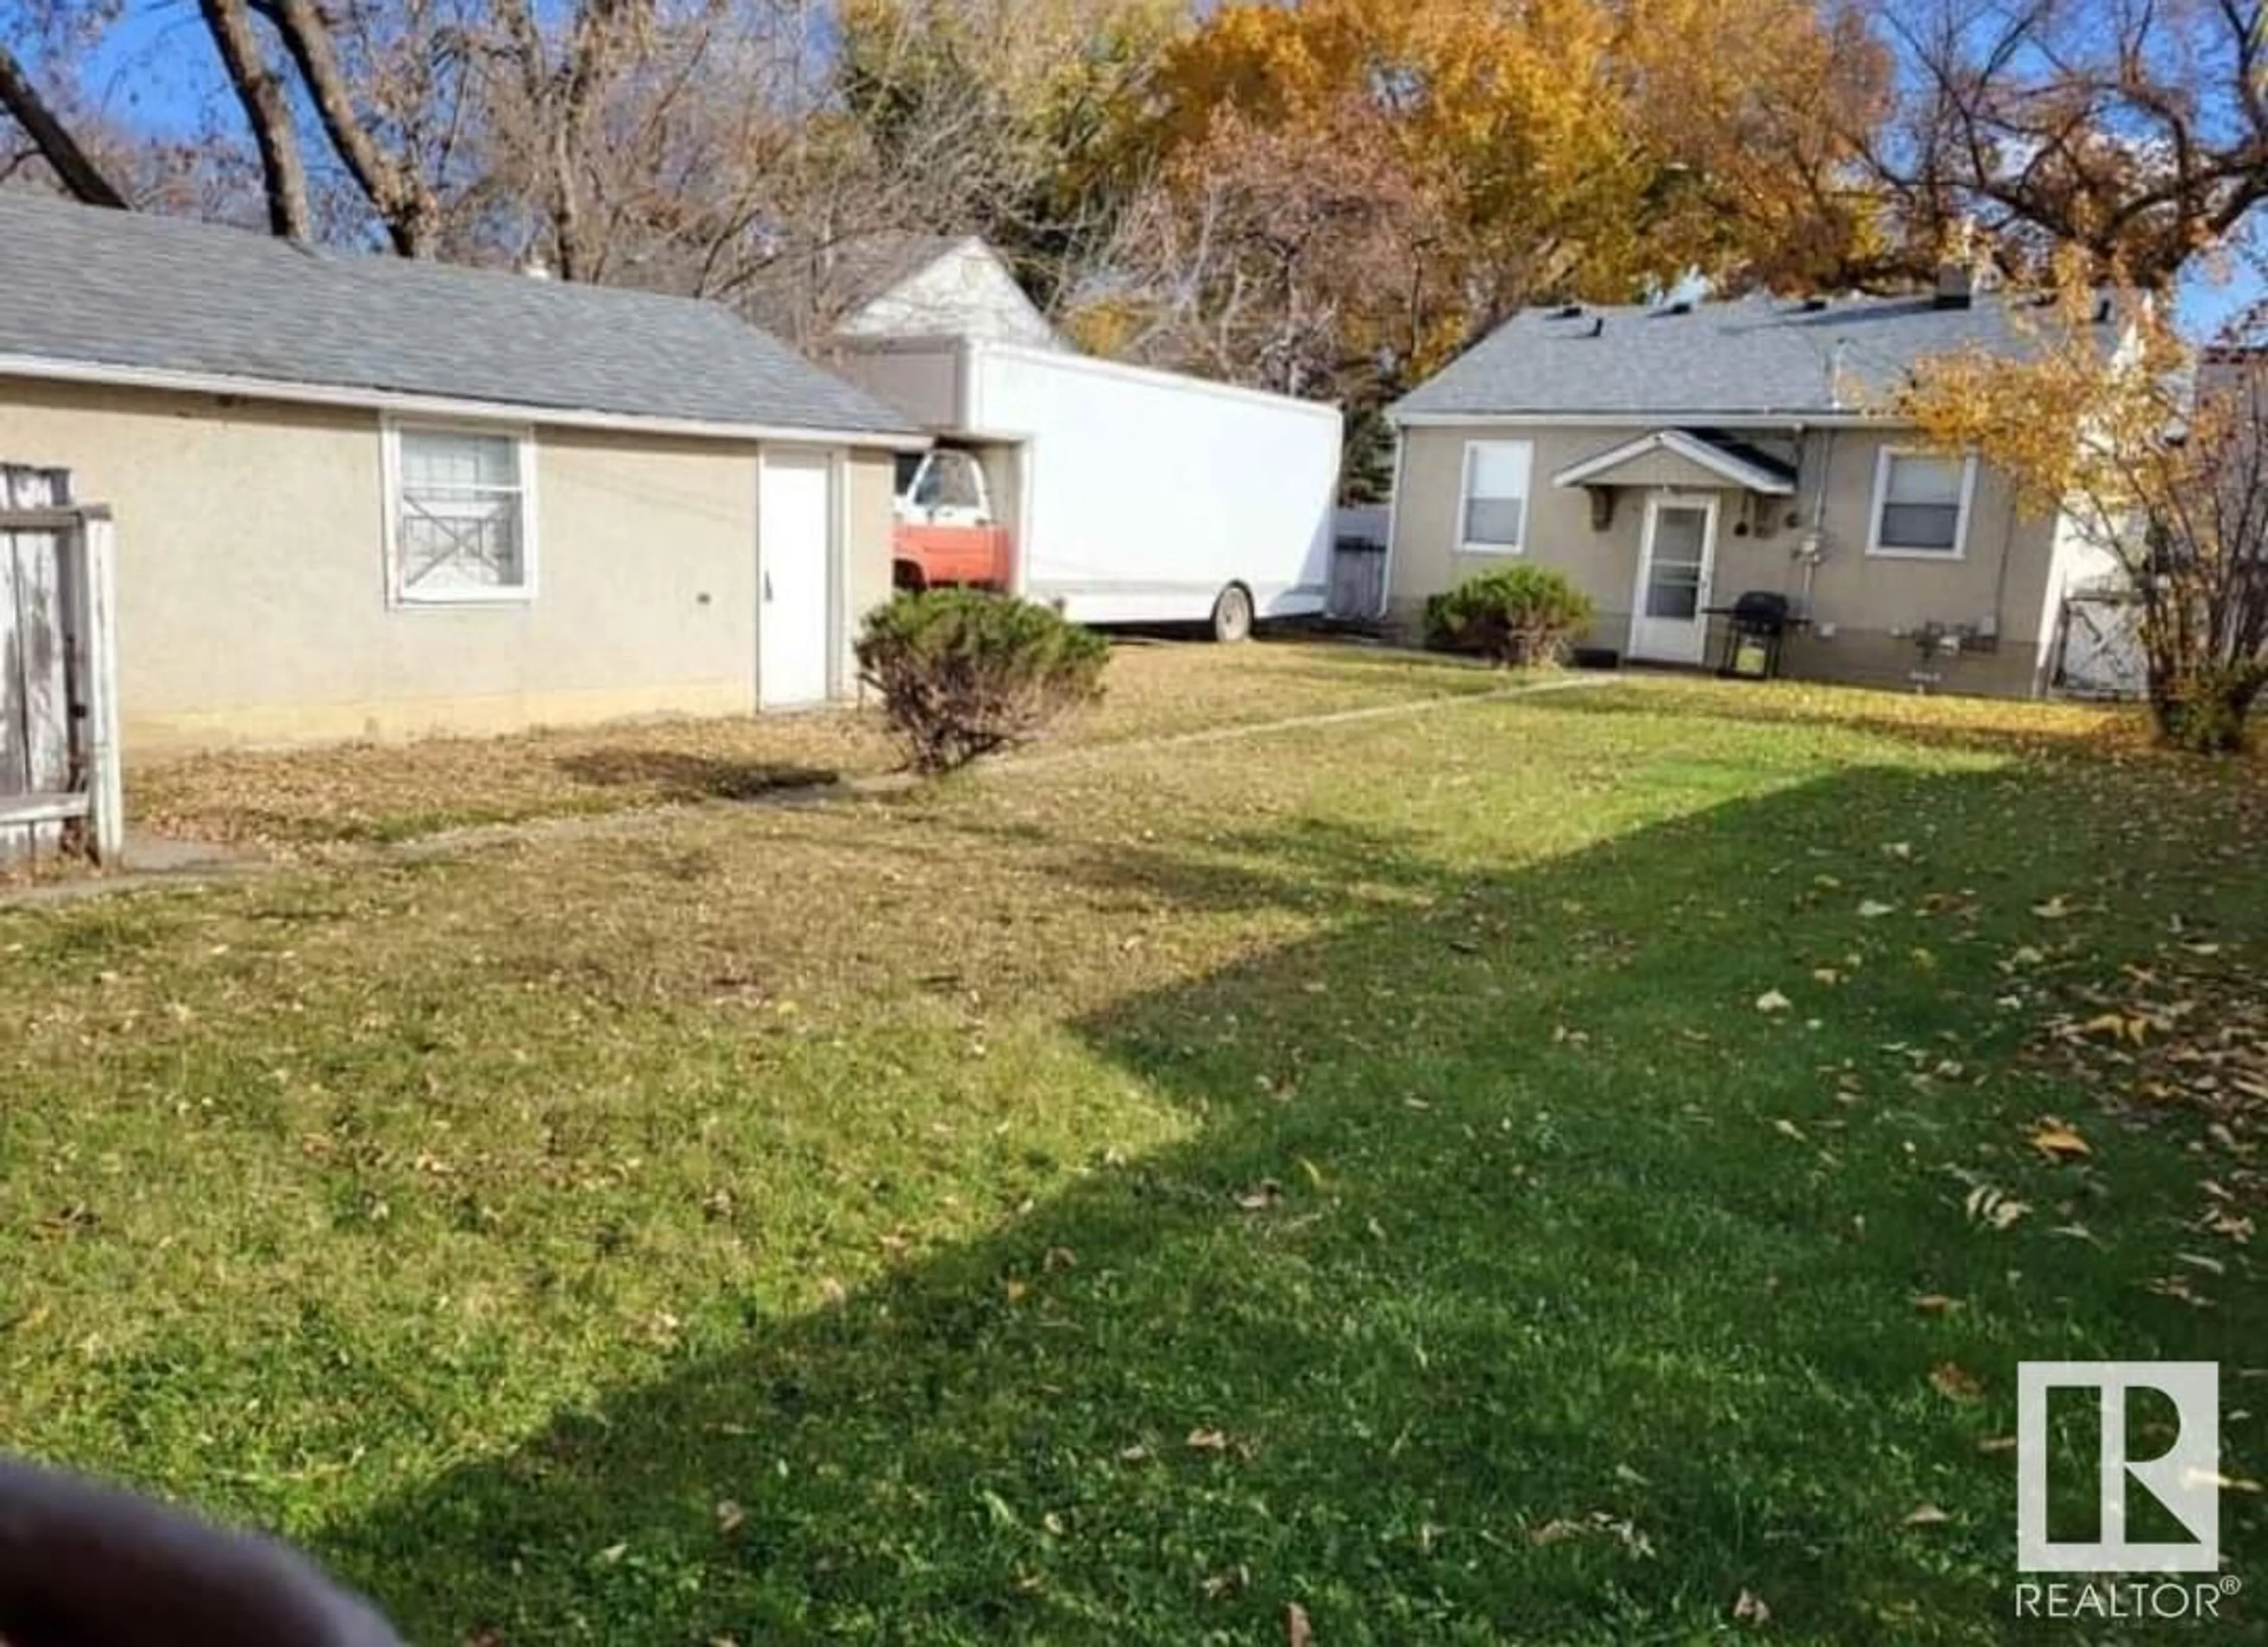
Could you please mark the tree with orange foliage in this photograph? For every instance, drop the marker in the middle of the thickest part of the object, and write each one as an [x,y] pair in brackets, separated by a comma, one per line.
[1574,148]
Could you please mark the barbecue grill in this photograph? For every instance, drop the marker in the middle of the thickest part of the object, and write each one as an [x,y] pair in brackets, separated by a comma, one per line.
[1756,626]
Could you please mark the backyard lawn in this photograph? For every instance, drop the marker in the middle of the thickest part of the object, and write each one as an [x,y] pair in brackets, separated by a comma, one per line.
[291,800]
[1581,1168]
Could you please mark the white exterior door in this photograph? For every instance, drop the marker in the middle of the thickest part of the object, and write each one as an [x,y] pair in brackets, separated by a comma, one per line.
[1668,620]
[795,565]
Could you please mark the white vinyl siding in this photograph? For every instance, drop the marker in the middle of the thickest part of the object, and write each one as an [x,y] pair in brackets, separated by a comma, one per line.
[1921,504]
[460,514]
[1494,518]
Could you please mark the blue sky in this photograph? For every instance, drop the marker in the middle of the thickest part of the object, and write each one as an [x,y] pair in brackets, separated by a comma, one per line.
[2207,304]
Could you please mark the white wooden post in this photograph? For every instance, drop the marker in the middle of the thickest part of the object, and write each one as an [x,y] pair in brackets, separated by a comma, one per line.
[42,665]
[106,780]
[59,743]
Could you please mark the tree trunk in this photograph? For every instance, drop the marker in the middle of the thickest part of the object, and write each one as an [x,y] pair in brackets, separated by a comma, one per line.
[395,192]
[80,175]
[268,111]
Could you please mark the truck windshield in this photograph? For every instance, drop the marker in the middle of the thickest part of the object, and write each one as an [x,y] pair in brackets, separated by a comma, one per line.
[908,466]
[952,483]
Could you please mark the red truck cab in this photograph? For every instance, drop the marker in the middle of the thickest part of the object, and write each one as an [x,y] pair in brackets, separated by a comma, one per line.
[944,530]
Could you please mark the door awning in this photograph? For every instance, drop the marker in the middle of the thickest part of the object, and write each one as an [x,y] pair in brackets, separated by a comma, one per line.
[1678,457]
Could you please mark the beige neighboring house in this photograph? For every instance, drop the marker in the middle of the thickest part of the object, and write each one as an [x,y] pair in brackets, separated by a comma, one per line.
[1671,459]
[361,496]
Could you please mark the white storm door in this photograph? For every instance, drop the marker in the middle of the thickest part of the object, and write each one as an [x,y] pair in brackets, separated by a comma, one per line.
[1668,620]
[795,559]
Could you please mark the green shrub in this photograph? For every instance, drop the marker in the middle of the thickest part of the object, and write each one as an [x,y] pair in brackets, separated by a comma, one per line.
[963,673]
[1515,616]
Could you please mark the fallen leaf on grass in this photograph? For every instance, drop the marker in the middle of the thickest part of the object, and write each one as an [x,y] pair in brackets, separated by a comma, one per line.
[1935,1303]
[1773,1001]
[2237,1228]
[1927,1516]
[2054,909]
[1871,910]
[1996,1208]
[1297,1631]
[730,1515]
[1208,1441]
[2057,1141]
[1264,1194]
[1749,1608]
[1597,1524]
[2178,1288]
[1954,1382]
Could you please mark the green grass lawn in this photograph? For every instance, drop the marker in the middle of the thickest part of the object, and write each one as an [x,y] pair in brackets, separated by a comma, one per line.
[1531,1172]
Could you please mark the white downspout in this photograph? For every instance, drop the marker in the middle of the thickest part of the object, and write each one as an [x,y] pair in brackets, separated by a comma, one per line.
[1393,520]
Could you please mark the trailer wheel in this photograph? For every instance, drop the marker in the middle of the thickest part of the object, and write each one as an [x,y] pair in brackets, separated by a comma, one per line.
[1231,615]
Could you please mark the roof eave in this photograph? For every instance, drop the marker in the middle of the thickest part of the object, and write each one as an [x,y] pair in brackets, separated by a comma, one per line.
[1596,469]
[110,374]
[1769,418]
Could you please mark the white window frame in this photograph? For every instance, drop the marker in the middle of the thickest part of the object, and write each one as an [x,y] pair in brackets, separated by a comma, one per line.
[523,437]
[1876,550]
[1465,543]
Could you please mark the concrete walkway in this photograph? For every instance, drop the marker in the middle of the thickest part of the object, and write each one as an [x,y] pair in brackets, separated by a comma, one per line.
[156,862]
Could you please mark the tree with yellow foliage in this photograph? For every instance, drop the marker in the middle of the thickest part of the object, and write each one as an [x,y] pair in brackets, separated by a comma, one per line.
[993,116]
[2158,450]
[1593,148]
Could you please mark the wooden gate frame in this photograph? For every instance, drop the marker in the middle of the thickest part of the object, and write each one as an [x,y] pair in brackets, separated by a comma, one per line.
[86,566]
[2074,615]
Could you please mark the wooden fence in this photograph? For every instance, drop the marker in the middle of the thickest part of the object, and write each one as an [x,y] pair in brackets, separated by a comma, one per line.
[59,774]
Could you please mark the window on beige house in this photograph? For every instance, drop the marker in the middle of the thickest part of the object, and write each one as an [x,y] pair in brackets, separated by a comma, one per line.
[1921,504]
[1494,517]
[459,514]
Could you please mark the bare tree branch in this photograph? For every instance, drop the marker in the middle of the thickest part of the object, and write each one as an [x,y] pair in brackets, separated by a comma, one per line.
[80,176]
[402,197]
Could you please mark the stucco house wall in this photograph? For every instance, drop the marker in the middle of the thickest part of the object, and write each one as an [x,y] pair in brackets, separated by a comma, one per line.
[253,590]
[1864,608]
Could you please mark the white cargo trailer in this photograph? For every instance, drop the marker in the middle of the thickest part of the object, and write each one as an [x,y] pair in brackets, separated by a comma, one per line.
[1129,496]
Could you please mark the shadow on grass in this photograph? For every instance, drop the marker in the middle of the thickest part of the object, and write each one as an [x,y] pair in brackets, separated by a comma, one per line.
[676,775]
[1489,1299]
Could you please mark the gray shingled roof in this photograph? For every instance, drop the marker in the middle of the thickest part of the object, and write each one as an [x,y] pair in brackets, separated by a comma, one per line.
[129,290]
[1754,356]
